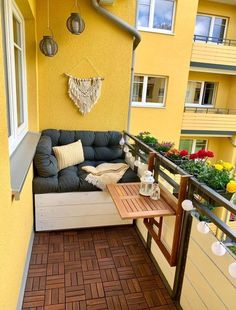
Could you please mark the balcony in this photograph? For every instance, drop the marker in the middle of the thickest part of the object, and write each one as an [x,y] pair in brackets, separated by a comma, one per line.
[215,53]
[209,121]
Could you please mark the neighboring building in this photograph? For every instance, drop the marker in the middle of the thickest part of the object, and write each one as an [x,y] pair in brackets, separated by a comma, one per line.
[185,74]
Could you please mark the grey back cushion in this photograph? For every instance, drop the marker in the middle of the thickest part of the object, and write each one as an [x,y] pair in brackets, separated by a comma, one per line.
[44,162]
[97,145]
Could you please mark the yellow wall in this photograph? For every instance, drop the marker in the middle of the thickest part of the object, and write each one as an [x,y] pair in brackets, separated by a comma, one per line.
[106,46]
[167,55]
[213,8]
[16,220]
[223,85]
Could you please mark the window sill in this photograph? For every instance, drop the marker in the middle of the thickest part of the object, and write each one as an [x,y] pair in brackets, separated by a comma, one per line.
[148,105]
[21,160]
[158,31]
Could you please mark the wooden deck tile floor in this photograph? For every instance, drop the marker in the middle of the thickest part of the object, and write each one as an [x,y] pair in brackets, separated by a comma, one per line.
[105,268]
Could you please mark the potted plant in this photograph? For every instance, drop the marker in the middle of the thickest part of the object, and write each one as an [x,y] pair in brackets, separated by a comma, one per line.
[147,138]
[178,157]
[164,146]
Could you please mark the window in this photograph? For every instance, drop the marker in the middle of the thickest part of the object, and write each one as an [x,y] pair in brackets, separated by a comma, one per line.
[210,28]
[156,15]
[192,145]
[16,74]
[200,93]
[149,91]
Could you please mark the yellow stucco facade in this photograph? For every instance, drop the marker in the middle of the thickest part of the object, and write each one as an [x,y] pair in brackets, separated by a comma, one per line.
[171,55]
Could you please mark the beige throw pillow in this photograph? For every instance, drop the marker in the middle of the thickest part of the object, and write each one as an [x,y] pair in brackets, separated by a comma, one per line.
[69,155]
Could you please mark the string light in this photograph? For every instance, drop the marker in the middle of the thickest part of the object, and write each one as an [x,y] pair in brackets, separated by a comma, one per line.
[137,162]
[187,205]
[128,155]
[122,141]
[203,228]
[218,248]
[232,270]
[126,149]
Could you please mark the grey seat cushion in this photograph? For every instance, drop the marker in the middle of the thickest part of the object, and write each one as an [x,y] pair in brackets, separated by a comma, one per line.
[99,147]
[72,179]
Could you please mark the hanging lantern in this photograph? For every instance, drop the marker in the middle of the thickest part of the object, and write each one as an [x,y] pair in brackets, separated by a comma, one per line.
[146,187]
[48,46]
[75,24]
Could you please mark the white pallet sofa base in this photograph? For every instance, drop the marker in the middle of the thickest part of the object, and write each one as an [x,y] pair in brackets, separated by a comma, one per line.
[58,211]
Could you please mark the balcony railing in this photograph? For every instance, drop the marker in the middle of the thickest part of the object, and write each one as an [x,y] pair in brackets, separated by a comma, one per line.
[210,110]
[215,40]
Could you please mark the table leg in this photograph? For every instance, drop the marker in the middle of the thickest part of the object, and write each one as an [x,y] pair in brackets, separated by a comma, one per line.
[149,241]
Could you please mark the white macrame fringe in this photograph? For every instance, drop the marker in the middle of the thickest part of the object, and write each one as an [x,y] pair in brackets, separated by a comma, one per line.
[84,92]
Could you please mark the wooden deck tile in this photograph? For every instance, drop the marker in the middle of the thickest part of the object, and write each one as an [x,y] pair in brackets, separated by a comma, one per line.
[93,269]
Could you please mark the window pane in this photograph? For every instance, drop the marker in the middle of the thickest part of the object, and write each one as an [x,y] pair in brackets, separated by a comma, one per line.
[186,145]
[155,90]
[163,14]
[19,86]
[202,27]
[16,31]
[137,89]
[208,93]
[193,92]
[143,13]
[200,145]
[219,30]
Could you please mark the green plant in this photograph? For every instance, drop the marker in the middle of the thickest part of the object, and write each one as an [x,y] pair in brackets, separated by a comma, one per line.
[203,217]
[194,167]
[164,146]
[214,178]
[147,138]
[232,248]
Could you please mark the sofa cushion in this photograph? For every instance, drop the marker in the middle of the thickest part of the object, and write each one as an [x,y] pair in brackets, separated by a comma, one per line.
[72,179]
[45,163]
[69,155]
[97,145]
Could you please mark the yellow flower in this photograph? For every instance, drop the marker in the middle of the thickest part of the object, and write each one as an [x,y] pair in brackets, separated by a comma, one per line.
[227,166]
[231,186]
[218,167]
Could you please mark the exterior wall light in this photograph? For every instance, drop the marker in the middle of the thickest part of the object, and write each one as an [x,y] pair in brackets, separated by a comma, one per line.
[75,24]
[48,45]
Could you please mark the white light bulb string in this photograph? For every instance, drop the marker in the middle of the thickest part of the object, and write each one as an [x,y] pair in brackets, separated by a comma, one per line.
[226,248]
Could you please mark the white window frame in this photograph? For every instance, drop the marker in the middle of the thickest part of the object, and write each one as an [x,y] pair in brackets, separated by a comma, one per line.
[143,103]
[17,133]
[150,27]
[193,150]
[200,105]
[213,17]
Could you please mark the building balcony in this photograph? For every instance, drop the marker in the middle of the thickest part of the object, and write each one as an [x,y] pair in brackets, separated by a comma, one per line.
[213,53]
[209,121]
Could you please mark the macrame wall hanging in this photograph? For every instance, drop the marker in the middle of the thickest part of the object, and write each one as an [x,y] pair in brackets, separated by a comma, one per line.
[85,92]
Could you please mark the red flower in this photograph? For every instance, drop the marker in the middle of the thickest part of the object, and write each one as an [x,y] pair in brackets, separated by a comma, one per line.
[183,153]
[202,154]
[209,154]
[193,156]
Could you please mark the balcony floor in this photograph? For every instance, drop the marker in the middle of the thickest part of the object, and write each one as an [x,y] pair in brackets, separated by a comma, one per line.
[105,268]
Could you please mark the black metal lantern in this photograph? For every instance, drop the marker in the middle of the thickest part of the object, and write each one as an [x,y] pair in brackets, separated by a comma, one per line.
[48,46]
[75,24]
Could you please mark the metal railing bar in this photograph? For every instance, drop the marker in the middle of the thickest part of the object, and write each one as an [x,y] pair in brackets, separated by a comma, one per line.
[213,195]
[172,182]
[218,222]
[229,42]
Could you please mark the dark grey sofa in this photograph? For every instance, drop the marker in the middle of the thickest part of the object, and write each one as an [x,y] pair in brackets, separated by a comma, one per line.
[99,147]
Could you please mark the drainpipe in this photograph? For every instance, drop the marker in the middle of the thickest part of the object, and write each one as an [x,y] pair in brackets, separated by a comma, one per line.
[128,28]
